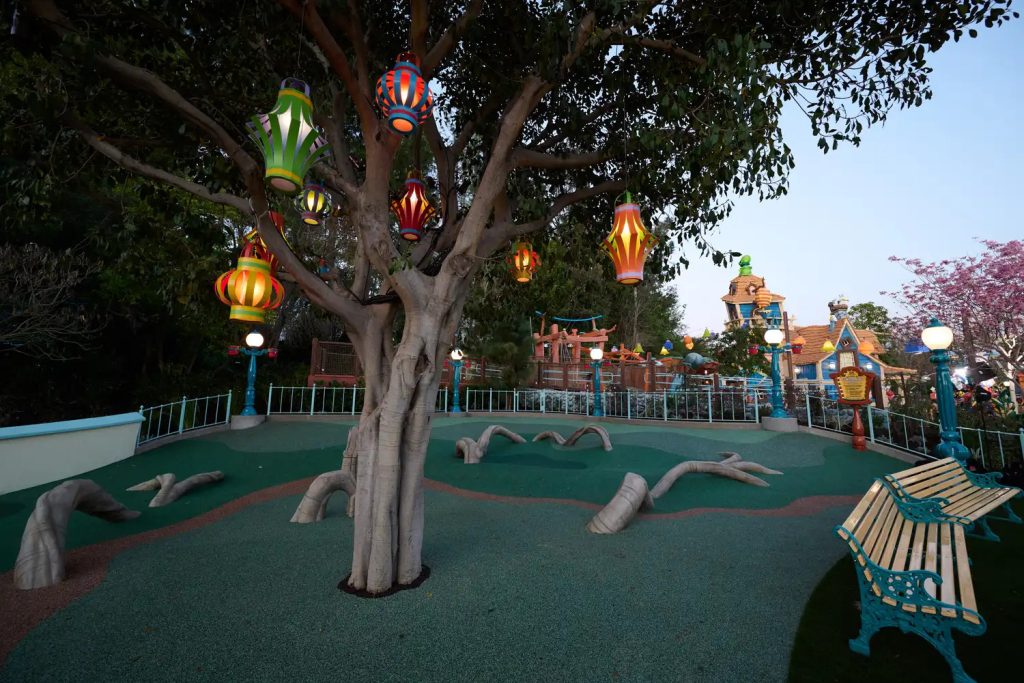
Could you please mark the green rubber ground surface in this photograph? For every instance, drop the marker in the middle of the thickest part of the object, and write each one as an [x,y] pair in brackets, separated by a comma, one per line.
[518,592]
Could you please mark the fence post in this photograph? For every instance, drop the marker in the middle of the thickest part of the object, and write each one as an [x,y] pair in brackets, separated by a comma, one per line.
[270,397]
[543,401]
[138,439]
[871,425]
[490,399]
[664,405]
[757,406]
[629,405]
[710,407]
[356,389]
[515,400]
[1022,441]
[227,411]
[312,400]
[807,401]
[181,416]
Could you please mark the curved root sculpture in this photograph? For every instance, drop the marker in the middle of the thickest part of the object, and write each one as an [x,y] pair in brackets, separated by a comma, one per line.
[171,489]
[314,500]
[473,451]
[40,560]
[633,495]
[606,441]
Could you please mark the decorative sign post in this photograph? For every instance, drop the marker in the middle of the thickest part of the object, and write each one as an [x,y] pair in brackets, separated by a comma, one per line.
[854,387]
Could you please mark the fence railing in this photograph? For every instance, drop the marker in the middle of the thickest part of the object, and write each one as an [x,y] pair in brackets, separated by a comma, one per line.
[186,415]
[994,449]
[697,405]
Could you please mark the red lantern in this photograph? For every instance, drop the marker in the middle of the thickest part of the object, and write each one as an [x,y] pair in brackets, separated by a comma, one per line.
[524,262]
[412,209]
[255,247]
[754,349]
[233,350]
[250,290]
[272,353]
[404,96]
[798,344]
[629,242]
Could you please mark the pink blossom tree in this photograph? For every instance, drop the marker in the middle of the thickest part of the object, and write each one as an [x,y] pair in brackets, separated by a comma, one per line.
[980,297]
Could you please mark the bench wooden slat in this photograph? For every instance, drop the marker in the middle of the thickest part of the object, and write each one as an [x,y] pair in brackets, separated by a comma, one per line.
[938,473]
[899,560]
[963,572]
[946,564]
[880,529]
[937,487]
[930,561]
[887,557]
[853,520]
[863,527]
[923,468]
[988,505]
[917,547]
[955,490]
[970,504]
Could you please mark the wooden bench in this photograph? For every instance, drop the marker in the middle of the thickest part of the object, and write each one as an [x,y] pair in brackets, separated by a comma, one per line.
[961,493]
[913,572]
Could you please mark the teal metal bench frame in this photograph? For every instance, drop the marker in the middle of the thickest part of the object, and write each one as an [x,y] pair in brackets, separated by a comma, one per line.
[979,528]
[908,587]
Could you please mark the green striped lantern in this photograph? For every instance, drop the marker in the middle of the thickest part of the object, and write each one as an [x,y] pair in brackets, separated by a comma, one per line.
[290,143]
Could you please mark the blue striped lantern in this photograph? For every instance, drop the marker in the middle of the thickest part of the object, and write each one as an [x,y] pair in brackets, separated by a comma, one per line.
[290,143]
[403,95]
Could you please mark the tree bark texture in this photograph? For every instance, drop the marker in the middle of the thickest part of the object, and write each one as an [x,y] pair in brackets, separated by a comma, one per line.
[313,505]
[40,560]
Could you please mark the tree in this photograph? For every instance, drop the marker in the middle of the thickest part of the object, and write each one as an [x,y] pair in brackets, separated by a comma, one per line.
[871,316]
[731,349]
[549,110]
[980,297]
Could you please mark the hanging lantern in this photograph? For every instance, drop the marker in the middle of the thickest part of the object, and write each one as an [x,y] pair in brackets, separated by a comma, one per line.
[798,344]
[638,348]
[753,349]
[313,203]
[629,242]
[524,262]
[828,346]
[403,95]
[867,348]
[412,209]
[286,136]
[255,247]
[250,290]
[707,333]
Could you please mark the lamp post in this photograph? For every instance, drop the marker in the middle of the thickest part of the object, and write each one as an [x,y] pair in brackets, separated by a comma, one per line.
[774,337]
[253,340]
[937,337]
[456,355]
[596,354]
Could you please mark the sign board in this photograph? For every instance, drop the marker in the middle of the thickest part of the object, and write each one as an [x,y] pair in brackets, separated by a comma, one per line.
[854,385]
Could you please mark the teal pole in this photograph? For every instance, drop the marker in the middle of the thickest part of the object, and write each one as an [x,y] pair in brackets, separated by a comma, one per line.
[457,364]
[250,388]
[778,404]
[950,443]
[598,408]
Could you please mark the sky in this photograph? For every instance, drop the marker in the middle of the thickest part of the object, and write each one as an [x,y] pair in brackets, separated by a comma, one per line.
[923,185]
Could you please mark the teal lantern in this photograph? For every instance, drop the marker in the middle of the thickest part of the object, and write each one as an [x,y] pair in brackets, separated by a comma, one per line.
[290,142]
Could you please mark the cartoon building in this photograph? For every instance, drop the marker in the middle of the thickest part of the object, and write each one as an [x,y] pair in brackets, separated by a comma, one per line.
[742,304]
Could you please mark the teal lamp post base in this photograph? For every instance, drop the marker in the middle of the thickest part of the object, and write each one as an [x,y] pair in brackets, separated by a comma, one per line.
[952,448]
[598,408]
[457,365]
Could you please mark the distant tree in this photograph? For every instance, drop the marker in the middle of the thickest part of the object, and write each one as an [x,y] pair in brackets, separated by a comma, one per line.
[871,316]
[39,314]
[980,297]
[512,348]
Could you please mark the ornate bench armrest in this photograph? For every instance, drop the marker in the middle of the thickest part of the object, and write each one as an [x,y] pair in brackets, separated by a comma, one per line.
[900,493]
[988,480]
[922,509]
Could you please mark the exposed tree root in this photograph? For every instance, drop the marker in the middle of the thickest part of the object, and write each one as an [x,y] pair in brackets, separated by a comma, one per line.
[606,441]
[40,560]
[474,451]
[171,489]
[633,495]
[314,502]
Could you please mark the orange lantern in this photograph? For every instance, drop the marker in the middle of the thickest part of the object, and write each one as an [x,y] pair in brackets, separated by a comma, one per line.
[404,96]
[763,298]
[629,242]
[688,342]
[867,348]
[250,290]
[524,262]
[412,209]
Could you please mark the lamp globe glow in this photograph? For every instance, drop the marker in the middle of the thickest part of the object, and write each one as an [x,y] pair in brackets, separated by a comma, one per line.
[937,336]
[596,353]
[254,340]
[456,354]
[774,336]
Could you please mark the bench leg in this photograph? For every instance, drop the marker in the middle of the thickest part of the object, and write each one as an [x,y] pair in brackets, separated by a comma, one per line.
[1011,516]
[986,531]
[942,640]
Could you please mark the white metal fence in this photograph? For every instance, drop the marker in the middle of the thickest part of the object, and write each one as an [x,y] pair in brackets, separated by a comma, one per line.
[182,416]
[994,449]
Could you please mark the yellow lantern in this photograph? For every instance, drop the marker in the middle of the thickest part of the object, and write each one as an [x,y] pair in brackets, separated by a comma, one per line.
[828,346]
[763,298]
[629,242]
[524,262]
[313,203]
[250,290]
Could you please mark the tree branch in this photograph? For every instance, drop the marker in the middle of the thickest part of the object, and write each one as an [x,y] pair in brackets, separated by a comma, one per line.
[97,142]
[450,38]
[524,157]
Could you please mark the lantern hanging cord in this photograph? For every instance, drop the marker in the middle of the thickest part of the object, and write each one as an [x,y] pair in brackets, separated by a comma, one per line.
[302,28]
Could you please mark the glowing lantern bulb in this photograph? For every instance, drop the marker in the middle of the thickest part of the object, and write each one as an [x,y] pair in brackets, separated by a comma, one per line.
[523,262]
